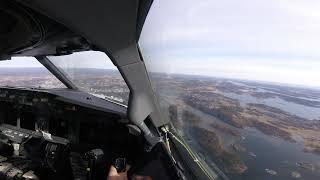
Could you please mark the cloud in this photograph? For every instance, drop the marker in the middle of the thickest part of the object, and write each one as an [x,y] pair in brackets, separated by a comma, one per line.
[279,35]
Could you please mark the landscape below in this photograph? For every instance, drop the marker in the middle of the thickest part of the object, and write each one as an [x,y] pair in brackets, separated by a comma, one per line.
[216,117]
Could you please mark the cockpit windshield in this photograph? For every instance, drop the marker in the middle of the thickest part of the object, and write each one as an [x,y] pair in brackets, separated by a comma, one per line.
[27,72]
[240,81]
[89,71]
[93,72]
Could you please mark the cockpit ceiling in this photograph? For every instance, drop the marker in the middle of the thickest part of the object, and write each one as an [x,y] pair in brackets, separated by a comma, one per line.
[24,32]
[38,28]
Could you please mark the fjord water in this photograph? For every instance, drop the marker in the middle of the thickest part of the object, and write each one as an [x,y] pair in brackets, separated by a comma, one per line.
[272,152]
[276,154]
[267,156]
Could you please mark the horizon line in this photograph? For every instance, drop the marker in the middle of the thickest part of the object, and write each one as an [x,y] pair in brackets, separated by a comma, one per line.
[208,76]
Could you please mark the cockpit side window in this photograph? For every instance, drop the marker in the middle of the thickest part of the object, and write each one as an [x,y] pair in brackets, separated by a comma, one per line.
[240,82]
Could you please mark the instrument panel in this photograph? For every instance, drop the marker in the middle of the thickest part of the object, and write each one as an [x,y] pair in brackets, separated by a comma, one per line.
[30,98]
[45,131]
[60,112]
[65,98]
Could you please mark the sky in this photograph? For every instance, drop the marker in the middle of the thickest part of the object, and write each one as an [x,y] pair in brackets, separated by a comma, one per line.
[270,40]
[86,59]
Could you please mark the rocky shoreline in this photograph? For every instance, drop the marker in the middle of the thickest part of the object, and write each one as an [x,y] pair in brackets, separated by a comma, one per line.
[270,121]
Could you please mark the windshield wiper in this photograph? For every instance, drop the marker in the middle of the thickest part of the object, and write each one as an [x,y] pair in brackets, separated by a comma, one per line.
[39,87]
[20,87]
[13,87]
[7,86]
[108,99]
